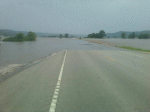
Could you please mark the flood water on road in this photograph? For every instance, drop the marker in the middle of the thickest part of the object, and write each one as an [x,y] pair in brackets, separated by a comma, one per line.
[25,52]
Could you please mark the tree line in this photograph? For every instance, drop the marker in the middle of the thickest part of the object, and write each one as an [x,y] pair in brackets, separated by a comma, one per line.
[101,34]
[132,36]
[50,36]
[66,35]
[31,36]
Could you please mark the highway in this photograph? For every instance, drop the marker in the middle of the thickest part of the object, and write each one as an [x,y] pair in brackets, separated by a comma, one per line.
[81,81]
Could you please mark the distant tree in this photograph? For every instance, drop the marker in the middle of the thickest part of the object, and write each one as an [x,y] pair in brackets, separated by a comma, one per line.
[66,35]
[20,37]
[132,35]
[123,35]
[108,37]
[89,36]
[0,38]
[144,36]
[102,34]
[60,36]
[51,36]
[93,35]
[114,36]
[31,36]
[72,36]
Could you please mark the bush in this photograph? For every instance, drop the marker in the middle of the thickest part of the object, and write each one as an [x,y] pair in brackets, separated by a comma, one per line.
[11,39]
[31,36]
[144,36]
[20,37]
[132,35]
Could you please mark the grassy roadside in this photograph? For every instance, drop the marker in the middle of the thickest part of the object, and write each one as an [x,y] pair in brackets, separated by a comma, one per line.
[132,48]
[124,47]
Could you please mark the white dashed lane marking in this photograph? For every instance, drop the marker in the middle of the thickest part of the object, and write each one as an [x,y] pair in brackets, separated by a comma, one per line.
[56,91]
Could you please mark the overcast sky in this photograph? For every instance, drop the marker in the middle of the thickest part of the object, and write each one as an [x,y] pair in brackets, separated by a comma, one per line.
[75,16]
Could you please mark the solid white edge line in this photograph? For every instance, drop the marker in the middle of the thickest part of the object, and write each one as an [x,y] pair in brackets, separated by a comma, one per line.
[56,91]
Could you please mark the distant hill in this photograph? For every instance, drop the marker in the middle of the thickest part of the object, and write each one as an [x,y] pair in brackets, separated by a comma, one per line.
[118,34]
[6,32]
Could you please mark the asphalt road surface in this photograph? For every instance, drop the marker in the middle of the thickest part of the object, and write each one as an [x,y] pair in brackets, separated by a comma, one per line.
[81,81]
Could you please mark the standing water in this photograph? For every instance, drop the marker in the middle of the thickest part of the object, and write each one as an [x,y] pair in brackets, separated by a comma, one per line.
[25,52]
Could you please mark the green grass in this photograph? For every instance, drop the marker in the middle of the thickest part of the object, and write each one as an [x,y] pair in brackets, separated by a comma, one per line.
[132,48]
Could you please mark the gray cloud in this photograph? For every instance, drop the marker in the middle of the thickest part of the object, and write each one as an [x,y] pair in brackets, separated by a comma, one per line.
[75,16]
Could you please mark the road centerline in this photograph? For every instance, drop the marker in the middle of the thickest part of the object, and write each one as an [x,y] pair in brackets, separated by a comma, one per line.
[56,91]
[109,58]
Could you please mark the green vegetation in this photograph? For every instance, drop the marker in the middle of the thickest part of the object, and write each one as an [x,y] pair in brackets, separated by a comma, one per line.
[123,35]
[101,34]
[66,35]
[144,36]
[132,35]
[31,36]
[0,38]
[50,36]
[132,48]
[72,36]
[20,37]
[60,36]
